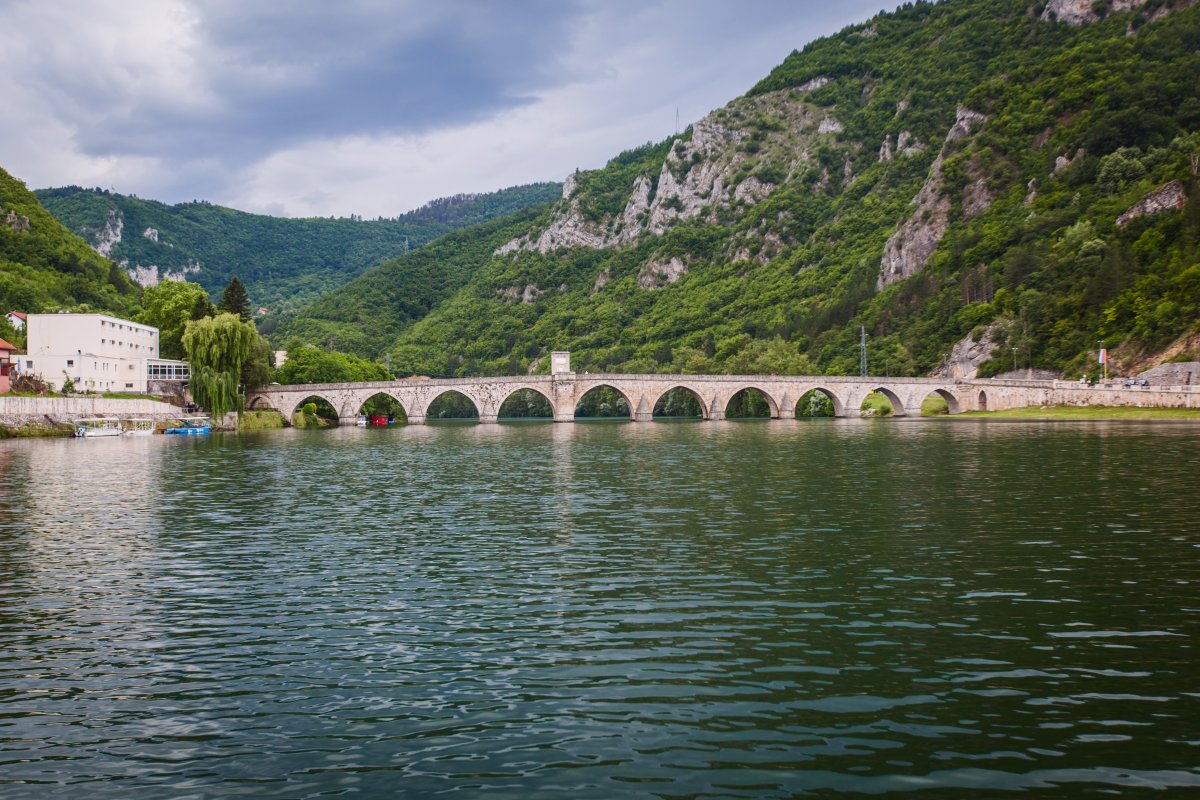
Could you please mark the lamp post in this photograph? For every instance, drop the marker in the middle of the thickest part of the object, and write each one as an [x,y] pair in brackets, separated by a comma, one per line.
[1014,360]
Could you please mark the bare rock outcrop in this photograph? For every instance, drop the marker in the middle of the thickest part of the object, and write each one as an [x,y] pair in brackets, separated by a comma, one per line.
[657,274]
[151,234]
[1078,12]
[908,145]
[968,354]
[1169,197]
[108,237]
[830,125]
[1177,373]
[717,167]
[17,223]
[909,248]
[515,294]
[149,275]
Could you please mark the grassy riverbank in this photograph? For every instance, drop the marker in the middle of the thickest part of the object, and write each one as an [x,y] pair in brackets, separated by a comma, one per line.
[1085,412]
[36,430]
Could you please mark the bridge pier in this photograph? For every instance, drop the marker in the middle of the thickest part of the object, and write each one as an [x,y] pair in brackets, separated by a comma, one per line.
[562,389]
[350,421]
[488,419]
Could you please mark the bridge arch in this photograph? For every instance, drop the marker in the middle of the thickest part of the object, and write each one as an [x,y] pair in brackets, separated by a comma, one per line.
[676,399]
[898,407]
[388,404]
[602,404]
[289,414]
[839,405]
[452,407]
[952,404]
[528,388]
[772,403]
[261,402]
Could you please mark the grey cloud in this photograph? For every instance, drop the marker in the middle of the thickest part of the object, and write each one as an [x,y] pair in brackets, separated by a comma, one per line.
[287,74]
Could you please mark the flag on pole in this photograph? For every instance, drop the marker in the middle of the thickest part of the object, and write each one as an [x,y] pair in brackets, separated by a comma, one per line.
[1103,355]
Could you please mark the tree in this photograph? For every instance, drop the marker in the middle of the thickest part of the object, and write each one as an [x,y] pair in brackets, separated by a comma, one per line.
[234,300]
[217,349]
[308,364]
[169,306]
[256,371]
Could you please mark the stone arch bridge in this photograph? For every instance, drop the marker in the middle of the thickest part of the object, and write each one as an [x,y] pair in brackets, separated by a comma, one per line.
[564,390]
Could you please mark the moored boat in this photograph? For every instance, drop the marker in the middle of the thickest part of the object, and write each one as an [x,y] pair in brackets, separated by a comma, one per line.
[137,427]
[192,426]
[97,427]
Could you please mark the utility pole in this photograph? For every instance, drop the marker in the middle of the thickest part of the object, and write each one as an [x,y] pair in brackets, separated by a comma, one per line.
[862,351]
[676,120]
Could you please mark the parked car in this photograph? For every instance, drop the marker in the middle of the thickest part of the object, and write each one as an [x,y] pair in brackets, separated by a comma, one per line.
[1136,382]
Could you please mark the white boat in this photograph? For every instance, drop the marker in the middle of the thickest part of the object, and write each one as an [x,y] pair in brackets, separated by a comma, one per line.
[361,420]
[137,427]
[100,426]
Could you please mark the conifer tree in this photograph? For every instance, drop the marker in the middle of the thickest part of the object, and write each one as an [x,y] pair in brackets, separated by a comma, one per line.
[235,301]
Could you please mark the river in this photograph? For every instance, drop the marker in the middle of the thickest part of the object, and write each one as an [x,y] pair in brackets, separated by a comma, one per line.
[929,608]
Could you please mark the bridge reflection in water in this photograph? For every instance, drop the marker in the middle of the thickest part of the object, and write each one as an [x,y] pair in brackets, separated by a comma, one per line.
[564,390]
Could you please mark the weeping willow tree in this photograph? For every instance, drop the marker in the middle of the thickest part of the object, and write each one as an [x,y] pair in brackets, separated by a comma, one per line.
[217,348]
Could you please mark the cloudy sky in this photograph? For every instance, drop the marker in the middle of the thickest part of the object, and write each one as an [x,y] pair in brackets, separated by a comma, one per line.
[370,107]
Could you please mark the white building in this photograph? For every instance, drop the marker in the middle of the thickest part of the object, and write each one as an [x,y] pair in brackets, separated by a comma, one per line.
[98,352]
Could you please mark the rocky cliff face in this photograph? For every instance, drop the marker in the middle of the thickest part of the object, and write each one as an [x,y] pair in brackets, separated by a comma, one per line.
[17,223]
[968,354]
[1170,197]
[723,164]
[1077,12]
[909,248]
[104,240]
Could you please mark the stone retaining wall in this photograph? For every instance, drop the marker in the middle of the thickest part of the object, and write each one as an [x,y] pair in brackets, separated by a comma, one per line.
[38,412]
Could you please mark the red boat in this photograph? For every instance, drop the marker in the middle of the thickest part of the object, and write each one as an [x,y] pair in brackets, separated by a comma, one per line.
[379,419]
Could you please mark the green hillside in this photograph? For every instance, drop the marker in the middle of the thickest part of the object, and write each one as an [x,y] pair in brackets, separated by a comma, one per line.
[284,263]
[367,314]
[45,267]
[942,175]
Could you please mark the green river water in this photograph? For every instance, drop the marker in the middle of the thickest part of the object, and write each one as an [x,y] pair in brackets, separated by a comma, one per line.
[852,608]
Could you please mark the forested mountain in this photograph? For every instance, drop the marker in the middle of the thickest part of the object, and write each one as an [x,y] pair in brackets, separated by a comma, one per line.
[43,266]
[978,183]
[284,263]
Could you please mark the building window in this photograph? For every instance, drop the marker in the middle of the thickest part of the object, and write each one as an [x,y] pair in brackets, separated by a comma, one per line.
[129,386]
[70,362]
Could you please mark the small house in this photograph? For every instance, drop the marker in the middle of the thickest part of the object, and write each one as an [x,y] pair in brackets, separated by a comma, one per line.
[16,319]
[7,362]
